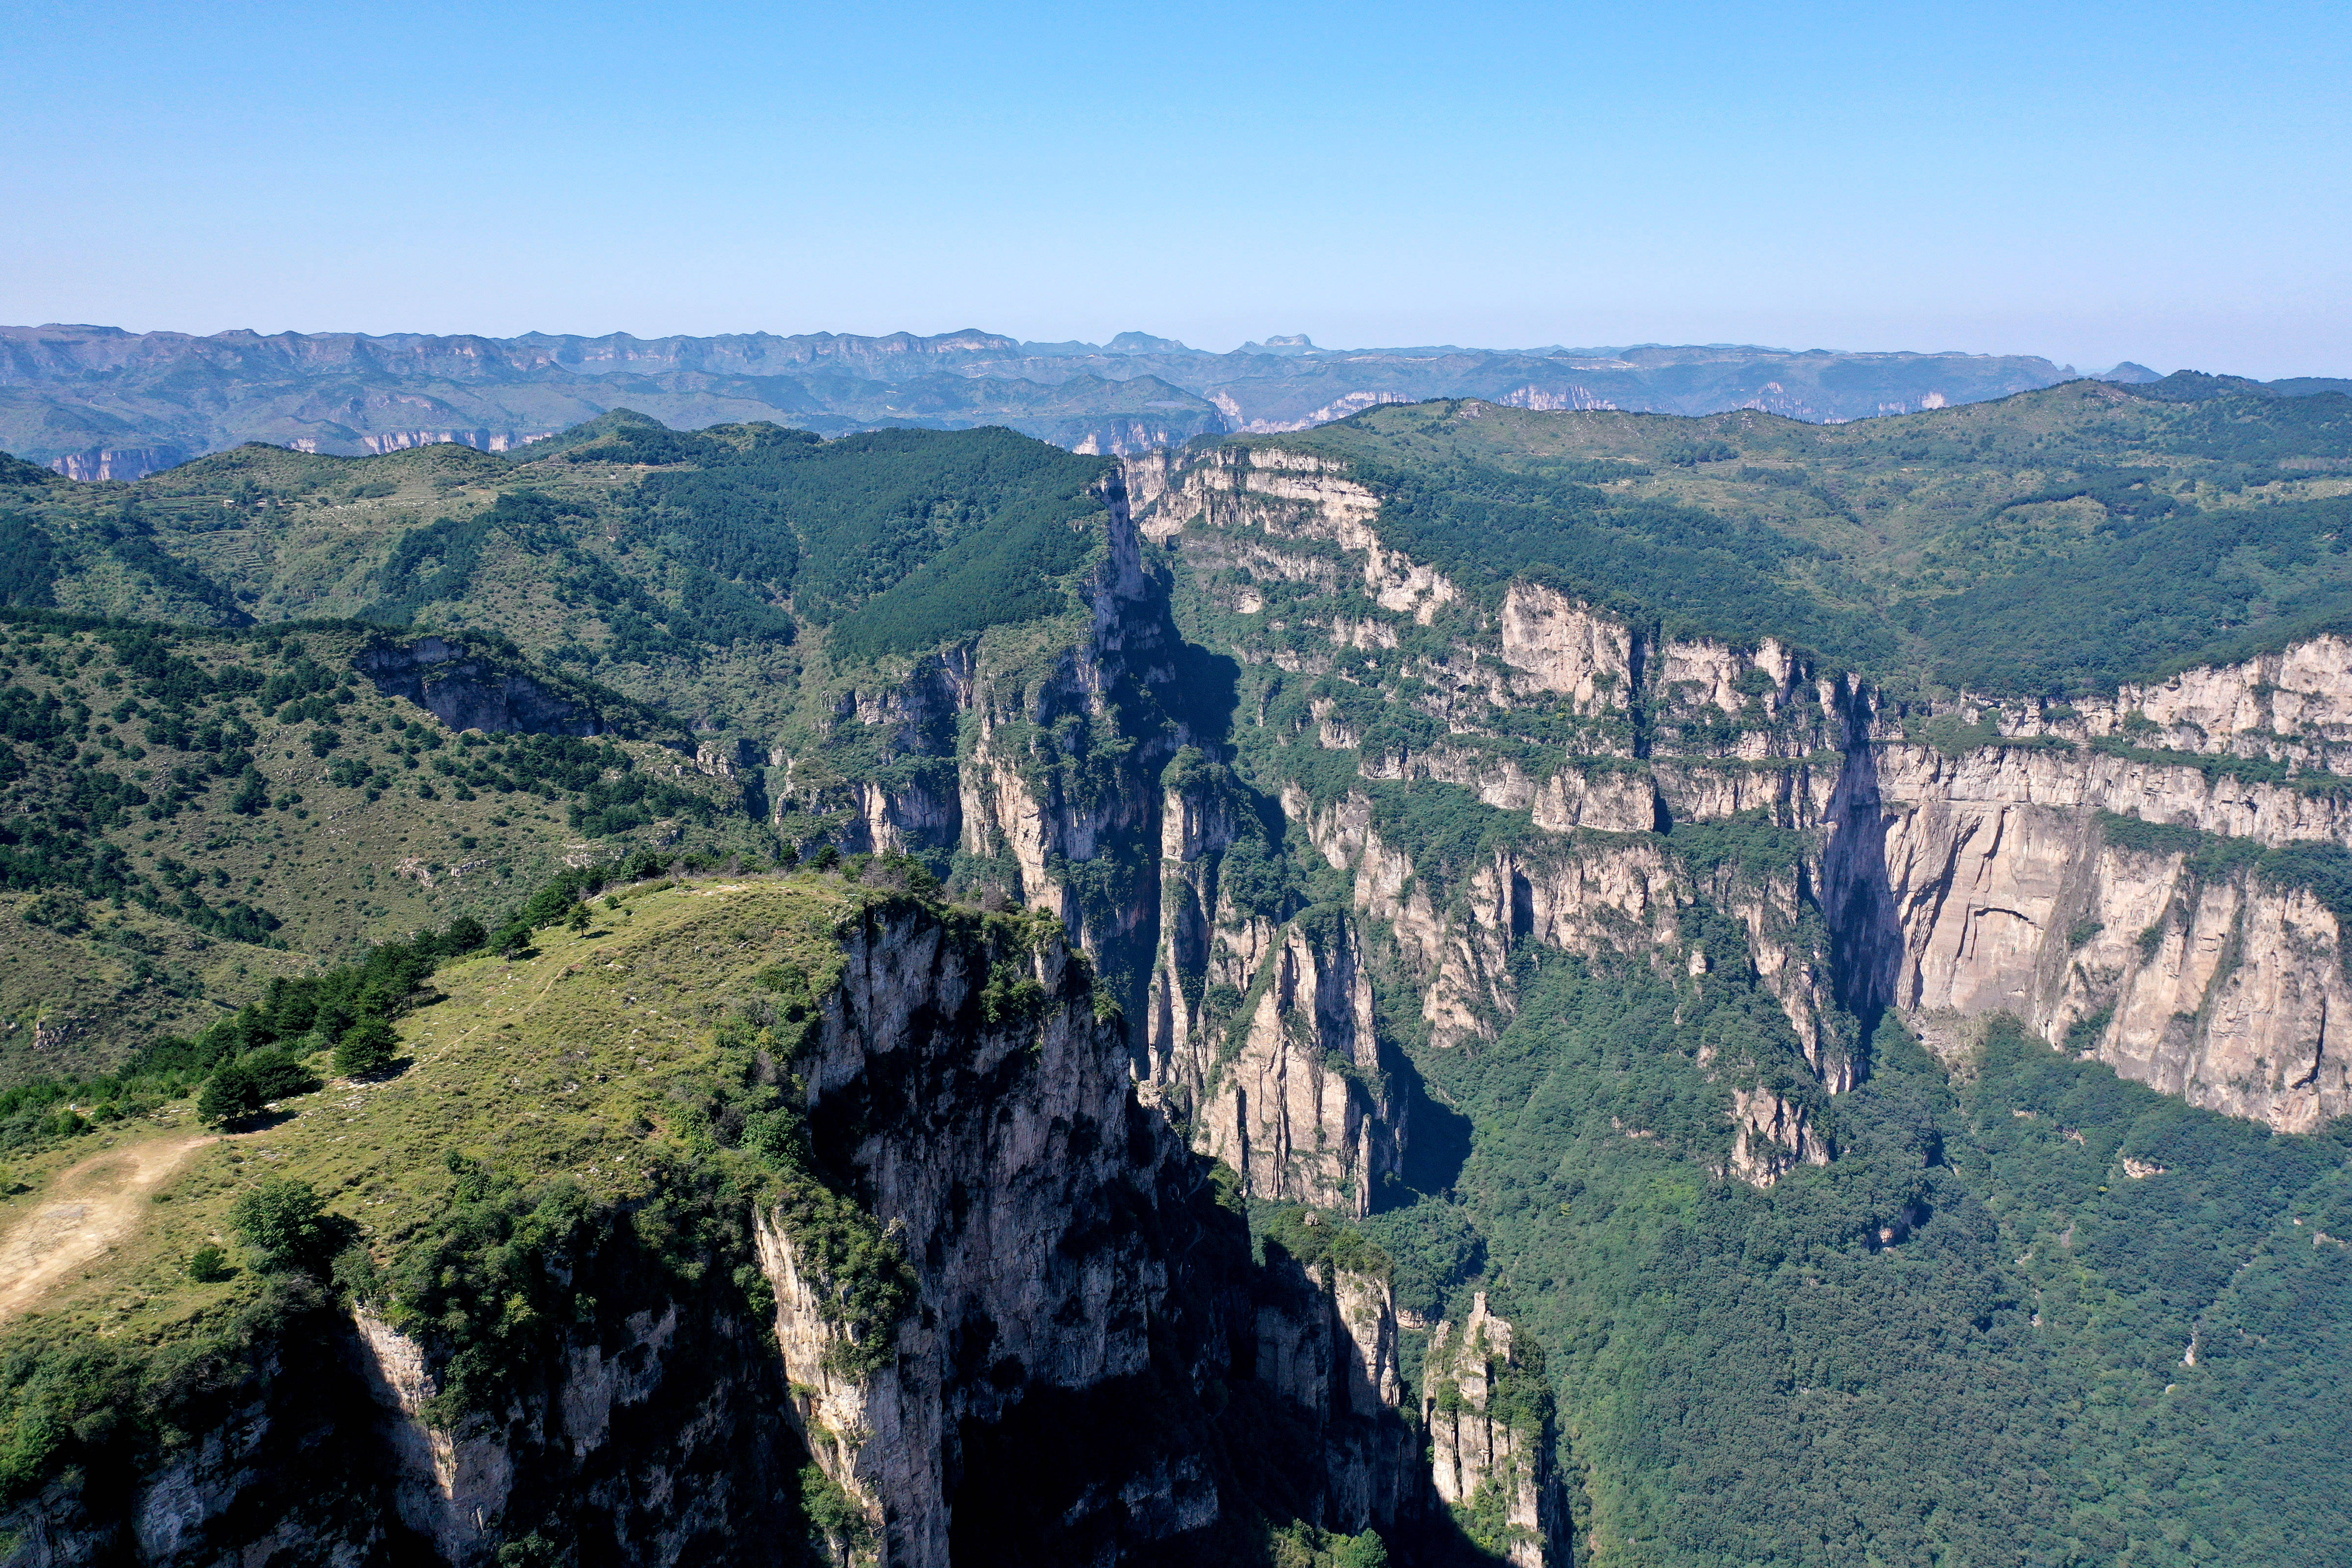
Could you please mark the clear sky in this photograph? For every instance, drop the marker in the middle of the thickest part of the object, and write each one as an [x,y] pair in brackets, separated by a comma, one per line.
[2094,181]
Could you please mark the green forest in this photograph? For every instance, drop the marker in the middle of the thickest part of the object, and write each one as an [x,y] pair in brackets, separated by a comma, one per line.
[1961,1341]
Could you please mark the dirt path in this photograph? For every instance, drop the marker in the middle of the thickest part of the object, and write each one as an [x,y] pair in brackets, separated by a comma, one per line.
[85,1211]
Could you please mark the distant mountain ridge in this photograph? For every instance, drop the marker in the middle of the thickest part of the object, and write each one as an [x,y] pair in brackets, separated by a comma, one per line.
[100,402]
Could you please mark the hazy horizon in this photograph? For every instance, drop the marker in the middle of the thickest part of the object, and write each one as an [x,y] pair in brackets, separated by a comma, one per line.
[2089,183]
[1104,341]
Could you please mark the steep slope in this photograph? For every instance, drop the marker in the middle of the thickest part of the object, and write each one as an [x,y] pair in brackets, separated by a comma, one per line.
[754,1172]
[1632,898]
[2155,874]
[198,810]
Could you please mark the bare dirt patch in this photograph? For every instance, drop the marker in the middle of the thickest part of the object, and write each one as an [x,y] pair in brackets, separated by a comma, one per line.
[87,1210]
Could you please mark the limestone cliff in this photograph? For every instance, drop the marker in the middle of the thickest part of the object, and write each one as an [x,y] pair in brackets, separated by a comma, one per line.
[1327,1340]
[1290,1092]
[1488,1411]
[1014,1164]
[1959,878]
[468,690]
[1987,883]
[660,1430]
[1068,1260]
[1024,762]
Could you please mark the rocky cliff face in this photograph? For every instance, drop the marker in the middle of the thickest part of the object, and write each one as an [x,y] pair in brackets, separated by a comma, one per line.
[1989,883]
[466,692]
[1288,1089]
[1953,881]
[661,1431]
[1071,1266]
[1327,1340]
[1031,765]
[120,463]
[1037,1195]
[1488,1413]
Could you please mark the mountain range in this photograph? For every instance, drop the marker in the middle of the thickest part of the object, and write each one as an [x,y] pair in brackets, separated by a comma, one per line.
[99,403]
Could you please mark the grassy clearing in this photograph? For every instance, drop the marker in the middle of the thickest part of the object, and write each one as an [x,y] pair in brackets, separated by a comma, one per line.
[562,1063]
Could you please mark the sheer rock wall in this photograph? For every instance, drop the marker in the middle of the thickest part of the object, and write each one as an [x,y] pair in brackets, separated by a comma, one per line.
[1949,882]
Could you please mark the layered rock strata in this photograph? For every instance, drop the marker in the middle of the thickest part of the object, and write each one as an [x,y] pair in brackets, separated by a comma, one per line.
[1987,883]
[1958,879]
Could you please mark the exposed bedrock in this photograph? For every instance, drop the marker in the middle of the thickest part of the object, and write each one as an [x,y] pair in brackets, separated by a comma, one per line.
[467,692]
[1955,883]
[1071,1264]
[1961,887]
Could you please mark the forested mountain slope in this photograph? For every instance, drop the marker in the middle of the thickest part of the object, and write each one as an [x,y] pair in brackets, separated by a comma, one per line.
[1682,990]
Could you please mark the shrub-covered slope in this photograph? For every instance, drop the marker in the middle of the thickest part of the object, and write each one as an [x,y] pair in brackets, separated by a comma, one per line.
[244,791]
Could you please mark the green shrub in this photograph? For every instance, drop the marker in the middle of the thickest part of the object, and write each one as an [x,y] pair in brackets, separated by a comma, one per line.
[836,1524]
[491,1283]
[231,1095]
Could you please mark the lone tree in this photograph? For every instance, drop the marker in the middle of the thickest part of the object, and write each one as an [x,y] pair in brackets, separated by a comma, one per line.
[239,1089]
[231,1095]
[287,1225]
[366,1047]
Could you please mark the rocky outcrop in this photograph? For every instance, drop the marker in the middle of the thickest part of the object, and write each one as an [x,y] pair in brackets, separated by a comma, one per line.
[119,463]
[1771,1135]
[1066,1261]
[1248,515]
[1293,1096]
[466,691]
[1258,1033]
[1964,878]
[2291,706]
[1024,767]
[285,1463]
[1293,496]
[1488,1411]
[1985,883]
[1002,1165]
[1326,1342]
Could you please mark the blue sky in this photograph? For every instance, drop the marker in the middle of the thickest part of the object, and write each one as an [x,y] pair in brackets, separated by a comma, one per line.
[2091,182]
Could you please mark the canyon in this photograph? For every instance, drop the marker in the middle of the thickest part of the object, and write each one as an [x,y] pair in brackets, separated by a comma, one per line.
[1265,856]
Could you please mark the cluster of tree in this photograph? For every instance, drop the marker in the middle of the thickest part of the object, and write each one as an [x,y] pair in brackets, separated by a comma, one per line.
[1690,570]
[903,538]
[2191,586]
[260,1054]
[437,562]
[257,1055]
[129,538]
